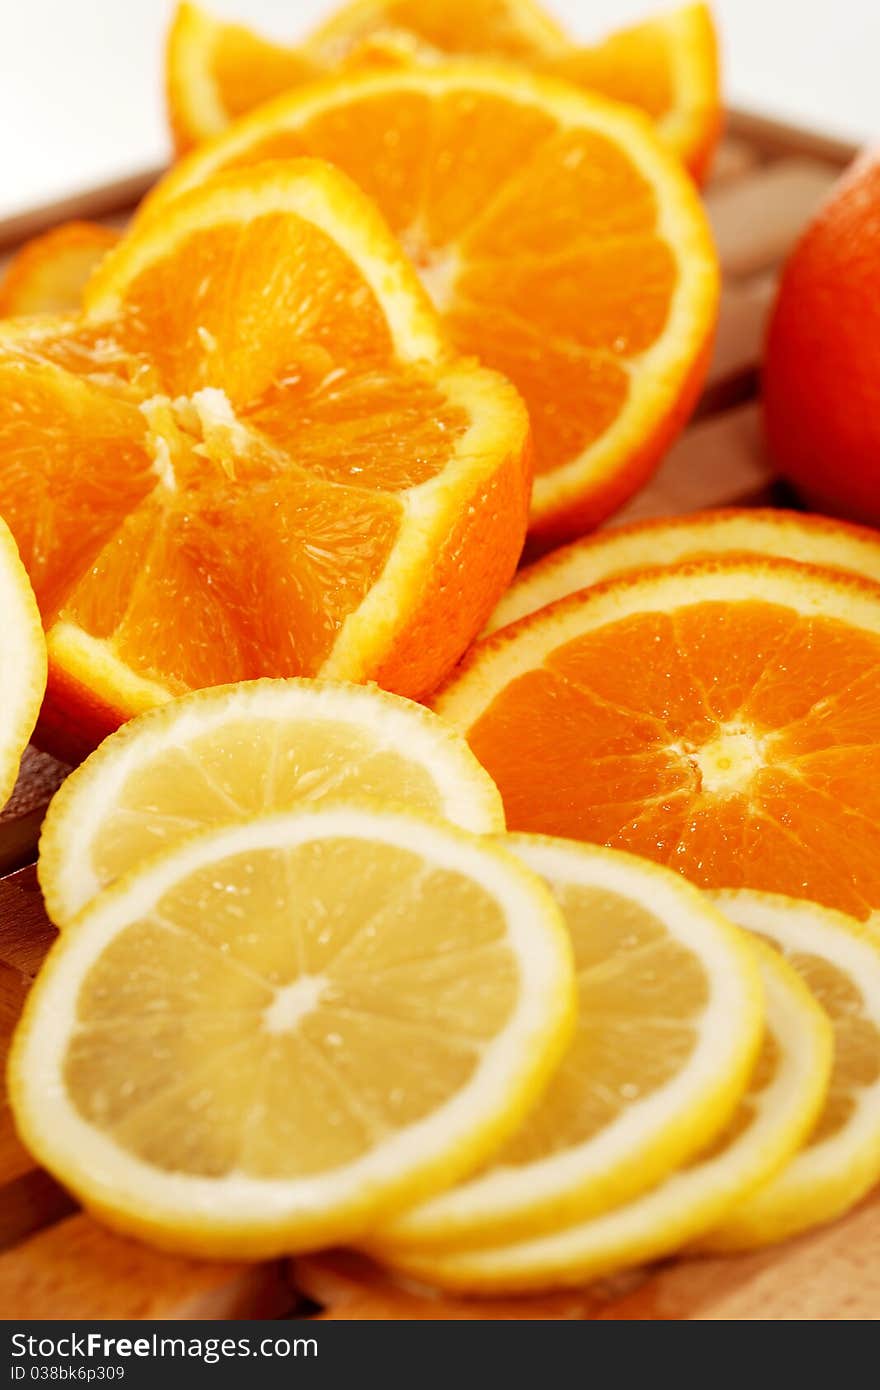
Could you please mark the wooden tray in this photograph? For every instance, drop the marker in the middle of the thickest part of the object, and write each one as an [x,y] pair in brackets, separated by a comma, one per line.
[55,1261]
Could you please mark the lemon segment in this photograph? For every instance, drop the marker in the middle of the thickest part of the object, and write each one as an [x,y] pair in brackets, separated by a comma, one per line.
[226,754]
[22,661]
[670,1018]
[785,1094]
[277,1032]
[839,960]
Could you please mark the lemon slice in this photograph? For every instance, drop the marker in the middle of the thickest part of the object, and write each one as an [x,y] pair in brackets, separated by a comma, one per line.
[22,662]
[839,959]
[669,1022]
[270,1036]
[785,1094]
[223,755]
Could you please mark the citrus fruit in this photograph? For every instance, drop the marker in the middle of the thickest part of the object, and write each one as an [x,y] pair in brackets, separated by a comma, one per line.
[520,30]
[272,1034]
[22,661]
[560,243]
[720,717]
[48,274]
[839,959]
[784,1096]
[670,1018]
[214,72]
[695,536]
[821,405]
[347,1286]
[667,66]
[253,454]
[224,755]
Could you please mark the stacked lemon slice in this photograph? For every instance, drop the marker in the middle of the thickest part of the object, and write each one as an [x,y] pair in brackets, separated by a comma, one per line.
[307,991]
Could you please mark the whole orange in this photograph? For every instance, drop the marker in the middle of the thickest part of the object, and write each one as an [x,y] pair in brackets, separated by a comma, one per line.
[822,368]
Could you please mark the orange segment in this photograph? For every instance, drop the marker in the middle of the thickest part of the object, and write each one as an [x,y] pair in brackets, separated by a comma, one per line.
[277,299]
[252,454]
[666,66]
[718,717]
[48,274]
[695,536]
[72,462]
[560,243]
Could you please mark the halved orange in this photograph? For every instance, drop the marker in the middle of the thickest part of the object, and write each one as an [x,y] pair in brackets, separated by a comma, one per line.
[560,242]
[721,717]
[666,66]
[48,273]
[817,540]
[252,454]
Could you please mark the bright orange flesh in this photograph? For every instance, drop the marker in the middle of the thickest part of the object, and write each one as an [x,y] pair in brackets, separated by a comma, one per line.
[735,741]
[559,242]
[48,274]
[210,470]
[666,66]
[518,29]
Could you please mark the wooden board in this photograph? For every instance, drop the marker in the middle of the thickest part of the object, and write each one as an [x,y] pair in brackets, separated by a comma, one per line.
[768,179]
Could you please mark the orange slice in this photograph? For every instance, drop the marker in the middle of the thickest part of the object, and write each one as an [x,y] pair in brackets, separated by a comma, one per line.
[698,536]
[252,454]
[560,242]
[215,72]
[22,662]
[48,274]
[666,66]
[722,718]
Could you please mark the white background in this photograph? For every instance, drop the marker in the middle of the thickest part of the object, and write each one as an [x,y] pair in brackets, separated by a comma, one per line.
[81,85]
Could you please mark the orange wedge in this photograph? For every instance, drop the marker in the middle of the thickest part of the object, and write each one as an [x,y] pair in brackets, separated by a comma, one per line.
[252,454]
[817,540]
[516,29]
[722,718]
[561,243]
[48,274]
[215,72]
[666,66]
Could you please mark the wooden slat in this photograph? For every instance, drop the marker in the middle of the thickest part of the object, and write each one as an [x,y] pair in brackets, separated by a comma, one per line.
[348,1287]
[833,1273]
[773,139]
[733,371]
[77,1269]
[105,202]
[757,220]
[39,778]
[733,159]
[25,936]
[716,463]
